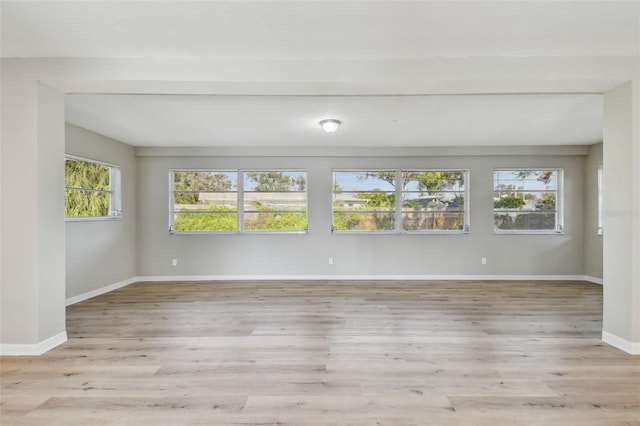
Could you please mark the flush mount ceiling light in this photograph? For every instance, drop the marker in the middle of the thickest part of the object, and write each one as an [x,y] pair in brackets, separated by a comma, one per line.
[330,125]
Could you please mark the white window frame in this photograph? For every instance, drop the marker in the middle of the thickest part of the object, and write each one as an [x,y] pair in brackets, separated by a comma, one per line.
[115,191]
[600,230]
[397,208]
[559,216]
[240,208]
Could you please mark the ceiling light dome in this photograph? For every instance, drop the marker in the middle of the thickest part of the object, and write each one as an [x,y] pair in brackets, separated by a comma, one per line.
[330,125]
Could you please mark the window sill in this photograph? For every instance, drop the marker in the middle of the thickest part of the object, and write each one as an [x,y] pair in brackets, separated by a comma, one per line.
[238,233]
[400,232]
[524,232]
[93,219]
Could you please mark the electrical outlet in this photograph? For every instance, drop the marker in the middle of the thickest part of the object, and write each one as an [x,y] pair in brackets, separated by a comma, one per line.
[331,261]
[484,260]
[174,262]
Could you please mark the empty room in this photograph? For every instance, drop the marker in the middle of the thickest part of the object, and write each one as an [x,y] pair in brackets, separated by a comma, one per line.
[320,213]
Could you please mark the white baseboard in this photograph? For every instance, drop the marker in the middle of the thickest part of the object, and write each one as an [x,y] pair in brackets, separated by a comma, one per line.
[8,349]
[632,348]
[174,278]
[99,291]
[594,280]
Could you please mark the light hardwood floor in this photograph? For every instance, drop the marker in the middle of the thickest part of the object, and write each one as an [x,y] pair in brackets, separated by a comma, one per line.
[330,353]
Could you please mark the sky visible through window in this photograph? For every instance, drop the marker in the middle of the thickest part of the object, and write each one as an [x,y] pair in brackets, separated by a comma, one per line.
[370,181]
[532,182]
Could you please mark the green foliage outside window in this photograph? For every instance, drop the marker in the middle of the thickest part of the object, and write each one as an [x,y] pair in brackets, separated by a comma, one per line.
[276,221]
[357,221]
[87,189]
[206,201]
[378,199]
[508,202]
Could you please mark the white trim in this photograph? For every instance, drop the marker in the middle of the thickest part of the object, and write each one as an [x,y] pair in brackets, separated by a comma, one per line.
[99,291]
[632,348]
[173,278]
[594,280]
[9,349]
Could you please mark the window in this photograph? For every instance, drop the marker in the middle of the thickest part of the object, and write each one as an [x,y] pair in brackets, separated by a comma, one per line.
[92,189]
[364,200]
[209,200]
[600,203]
[275,201]
[400,201]
[204,201]
[433,200]
[527,200]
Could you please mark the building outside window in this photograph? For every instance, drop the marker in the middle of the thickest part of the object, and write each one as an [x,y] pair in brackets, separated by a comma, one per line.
[400,201]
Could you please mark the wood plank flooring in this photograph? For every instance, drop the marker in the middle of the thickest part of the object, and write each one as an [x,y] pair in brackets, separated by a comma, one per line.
[329,353]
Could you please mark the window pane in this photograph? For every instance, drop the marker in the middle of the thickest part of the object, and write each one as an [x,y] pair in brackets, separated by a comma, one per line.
[272,221]
[212,201]
[433,221]
[214,181]
[526,199]
[433,200]
[530,221]
[85,174]
[89,191]
[86,203]
[275,181]
[367,201]
[433,181]
[525,180]
[275,200]
[192,222]
[205,201]
[363,221]
[364,181]
[364,200]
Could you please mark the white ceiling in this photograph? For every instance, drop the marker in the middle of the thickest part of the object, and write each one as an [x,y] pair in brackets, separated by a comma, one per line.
[328,32]
[318,29]
[409,121]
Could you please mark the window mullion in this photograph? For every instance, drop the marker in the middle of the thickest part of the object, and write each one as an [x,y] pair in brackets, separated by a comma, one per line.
[398,203]
[240,201]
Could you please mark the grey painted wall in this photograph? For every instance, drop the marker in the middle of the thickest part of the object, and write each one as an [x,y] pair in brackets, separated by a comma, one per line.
[246,255]
[592,241]
[102,252]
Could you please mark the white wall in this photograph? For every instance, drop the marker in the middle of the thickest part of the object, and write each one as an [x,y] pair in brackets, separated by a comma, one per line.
[360,255]
[101,253]
[32,221]
[621,320]
[592,241]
